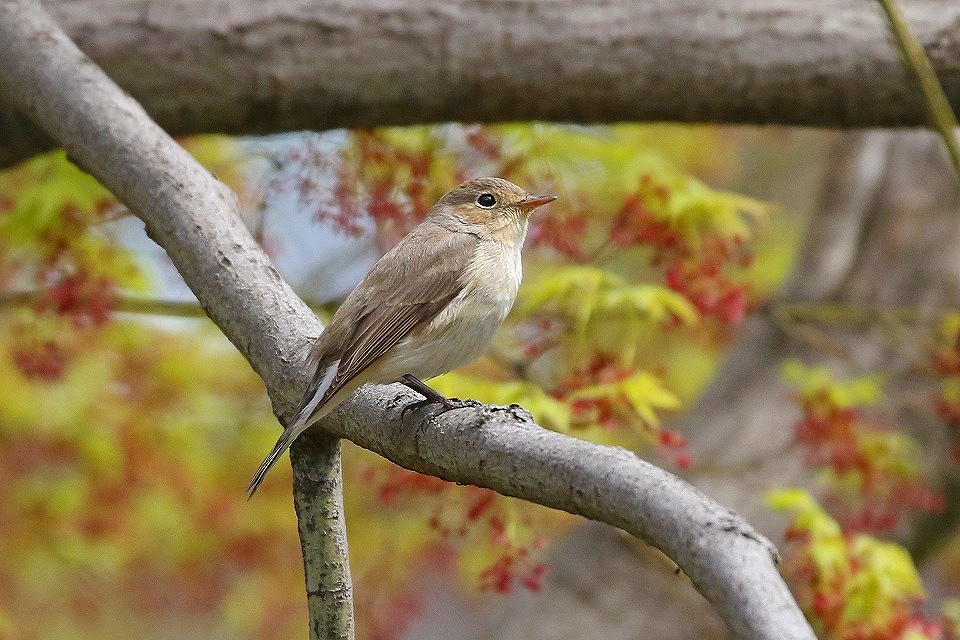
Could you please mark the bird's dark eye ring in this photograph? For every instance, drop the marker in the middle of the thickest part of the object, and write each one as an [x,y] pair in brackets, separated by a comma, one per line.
[486,200]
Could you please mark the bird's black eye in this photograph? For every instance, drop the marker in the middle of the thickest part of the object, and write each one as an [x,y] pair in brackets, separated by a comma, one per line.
[486,200]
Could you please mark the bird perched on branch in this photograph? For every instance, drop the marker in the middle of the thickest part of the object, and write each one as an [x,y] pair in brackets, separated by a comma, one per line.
[429,305]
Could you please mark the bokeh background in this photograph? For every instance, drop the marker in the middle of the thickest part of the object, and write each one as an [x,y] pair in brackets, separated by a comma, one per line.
[766,312]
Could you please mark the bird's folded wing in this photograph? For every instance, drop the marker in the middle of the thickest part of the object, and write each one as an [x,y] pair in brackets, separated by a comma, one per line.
[402,293]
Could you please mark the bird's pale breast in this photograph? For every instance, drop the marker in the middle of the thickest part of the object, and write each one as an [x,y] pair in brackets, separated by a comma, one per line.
[463,330]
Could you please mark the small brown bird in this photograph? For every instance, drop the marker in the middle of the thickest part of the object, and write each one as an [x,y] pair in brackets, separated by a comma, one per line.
[429,305]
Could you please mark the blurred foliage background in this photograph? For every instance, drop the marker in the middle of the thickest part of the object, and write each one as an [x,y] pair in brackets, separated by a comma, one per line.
[129,426]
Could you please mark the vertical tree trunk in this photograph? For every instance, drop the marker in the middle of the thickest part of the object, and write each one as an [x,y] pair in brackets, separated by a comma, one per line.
[318,498]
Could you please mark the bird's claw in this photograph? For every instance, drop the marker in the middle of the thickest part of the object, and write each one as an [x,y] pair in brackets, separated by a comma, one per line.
[447,404]
[413,406]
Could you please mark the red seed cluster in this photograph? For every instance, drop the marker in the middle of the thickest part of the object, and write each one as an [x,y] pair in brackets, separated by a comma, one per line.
[46,361]
[825,595]
[845,441]
[564,235]
[698,271]
[85,298]
[946,363]
[460,513]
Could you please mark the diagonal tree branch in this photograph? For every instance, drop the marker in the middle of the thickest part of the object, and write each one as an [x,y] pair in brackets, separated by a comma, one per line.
[194,217]
[915,58]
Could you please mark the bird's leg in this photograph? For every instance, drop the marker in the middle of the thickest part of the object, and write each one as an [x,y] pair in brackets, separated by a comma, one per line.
[430,396]
[421,387]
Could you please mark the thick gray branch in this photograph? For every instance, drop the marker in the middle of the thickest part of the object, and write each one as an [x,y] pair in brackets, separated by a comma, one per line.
[282,65]
[194,218]
[503,449]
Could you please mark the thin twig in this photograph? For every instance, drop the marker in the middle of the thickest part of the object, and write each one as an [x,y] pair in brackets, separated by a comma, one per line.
[137,305]
[851,315]
[934,97]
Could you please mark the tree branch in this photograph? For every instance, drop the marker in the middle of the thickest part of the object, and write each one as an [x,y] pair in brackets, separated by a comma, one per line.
[284,65]
[318,499]
[123,303]
[915,58]
[502,448]
[195,219]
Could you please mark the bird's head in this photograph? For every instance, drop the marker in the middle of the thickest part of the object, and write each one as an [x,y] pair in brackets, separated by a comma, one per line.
[492,205]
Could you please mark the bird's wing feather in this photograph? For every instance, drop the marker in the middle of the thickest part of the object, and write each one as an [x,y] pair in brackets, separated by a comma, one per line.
[404,291]
[397,298]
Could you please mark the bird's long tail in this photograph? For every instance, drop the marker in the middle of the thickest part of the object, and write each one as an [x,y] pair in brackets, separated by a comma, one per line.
[307,414]
[283,443]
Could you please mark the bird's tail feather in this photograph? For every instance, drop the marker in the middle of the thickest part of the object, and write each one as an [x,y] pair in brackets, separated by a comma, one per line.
[310,405]
[283,443]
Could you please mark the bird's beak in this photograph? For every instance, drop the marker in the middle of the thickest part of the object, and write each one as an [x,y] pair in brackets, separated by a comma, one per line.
[531,203]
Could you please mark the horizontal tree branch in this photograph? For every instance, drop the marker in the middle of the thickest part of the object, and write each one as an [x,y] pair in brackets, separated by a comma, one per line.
[195,219]
[283,65]
[122,303]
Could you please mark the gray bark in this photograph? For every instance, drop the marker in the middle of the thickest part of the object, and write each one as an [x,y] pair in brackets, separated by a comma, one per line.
[282,65]
[318,499]
[195,219]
